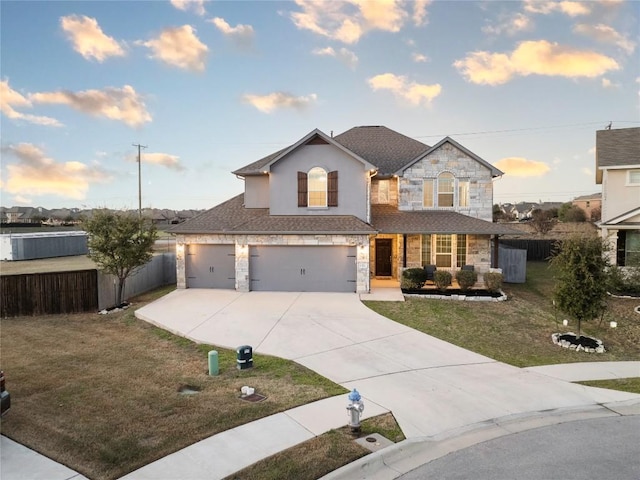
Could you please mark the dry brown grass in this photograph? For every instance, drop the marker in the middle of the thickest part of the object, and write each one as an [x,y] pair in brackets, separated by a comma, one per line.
[99,393]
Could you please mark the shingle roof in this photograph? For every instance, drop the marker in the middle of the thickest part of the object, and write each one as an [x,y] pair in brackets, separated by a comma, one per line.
[233,218]
[593,196]
[386,149]
[388,219]
[618,147]
[257,166]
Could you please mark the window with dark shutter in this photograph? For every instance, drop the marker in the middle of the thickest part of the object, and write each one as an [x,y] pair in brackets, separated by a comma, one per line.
[332,189]
[302,189]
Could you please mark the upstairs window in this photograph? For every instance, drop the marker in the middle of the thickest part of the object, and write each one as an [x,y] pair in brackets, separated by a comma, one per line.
[634,177]
[383,191]
[446,183]
[463,193]
[427,192]
[317,187]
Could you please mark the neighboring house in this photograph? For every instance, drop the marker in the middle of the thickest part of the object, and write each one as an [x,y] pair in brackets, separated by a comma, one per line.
[589,203]
[330,213]
[618,171]
[25,214]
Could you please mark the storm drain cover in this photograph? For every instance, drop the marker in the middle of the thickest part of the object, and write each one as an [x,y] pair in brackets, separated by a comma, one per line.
[253,398]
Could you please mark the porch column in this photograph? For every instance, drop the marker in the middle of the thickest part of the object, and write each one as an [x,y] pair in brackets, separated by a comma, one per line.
[496,249]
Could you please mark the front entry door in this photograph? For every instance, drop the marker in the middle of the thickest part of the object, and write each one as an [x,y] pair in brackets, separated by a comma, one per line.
[383,257]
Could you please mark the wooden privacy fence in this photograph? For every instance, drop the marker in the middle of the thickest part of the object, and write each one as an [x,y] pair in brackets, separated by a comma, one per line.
[48,293]
[78,291]
[537,250]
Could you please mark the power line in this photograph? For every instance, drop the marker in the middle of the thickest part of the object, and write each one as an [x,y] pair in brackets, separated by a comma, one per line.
[527,129]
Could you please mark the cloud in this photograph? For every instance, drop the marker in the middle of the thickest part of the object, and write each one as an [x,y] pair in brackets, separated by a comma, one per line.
[510,25]
[419,57]
[36,174]
[347,21]
[196,6]
[606,83]
[606,34]
[272,101]
[414,93]
[88,39]
[587,171]
[533,57]
[521,167]
[419,16]
[241,35]
[122,104]
[9,98]
[347,57]
[179,47]
[172,162]
[572,9]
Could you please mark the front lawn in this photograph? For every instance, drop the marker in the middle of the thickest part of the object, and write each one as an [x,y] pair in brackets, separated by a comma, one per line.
[99,393]
[518,331]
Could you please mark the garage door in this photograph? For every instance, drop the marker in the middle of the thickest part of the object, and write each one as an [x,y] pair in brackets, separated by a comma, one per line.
[303,269]
[211,266]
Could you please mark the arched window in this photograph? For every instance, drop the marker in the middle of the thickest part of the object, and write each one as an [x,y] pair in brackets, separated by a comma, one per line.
[446,183]
[317,187]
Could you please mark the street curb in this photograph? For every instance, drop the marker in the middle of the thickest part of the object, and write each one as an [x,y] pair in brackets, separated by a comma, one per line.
[396,460]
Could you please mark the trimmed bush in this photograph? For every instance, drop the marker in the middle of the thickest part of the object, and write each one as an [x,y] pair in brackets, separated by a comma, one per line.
[624,280]
[442,279]
[466,279]
[493,281]
[413,278]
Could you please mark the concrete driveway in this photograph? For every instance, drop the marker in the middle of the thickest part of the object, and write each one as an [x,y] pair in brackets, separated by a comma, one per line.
[430,385]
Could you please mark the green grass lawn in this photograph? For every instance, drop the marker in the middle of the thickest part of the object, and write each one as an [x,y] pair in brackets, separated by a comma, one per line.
[518,331]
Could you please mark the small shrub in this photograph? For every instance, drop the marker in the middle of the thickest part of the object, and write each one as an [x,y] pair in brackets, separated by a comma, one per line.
[466,279]
[623,281]
[493,281]
[413,278]
[442,279]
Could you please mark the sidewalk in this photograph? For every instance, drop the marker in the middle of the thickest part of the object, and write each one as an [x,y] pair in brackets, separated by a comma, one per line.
[235,449]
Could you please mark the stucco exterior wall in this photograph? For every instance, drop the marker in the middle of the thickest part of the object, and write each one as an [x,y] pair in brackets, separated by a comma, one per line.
[618,197]
[242,243]
[449,159]
[352,182]
[256,191]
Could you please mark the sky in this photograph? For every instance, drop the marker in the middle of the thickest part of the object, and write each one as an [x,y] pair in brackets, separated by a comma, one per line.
[210,86]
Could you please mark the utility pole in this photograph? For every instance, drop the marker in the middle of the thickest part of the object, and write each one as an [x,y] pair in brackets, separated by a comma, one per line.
[139,178]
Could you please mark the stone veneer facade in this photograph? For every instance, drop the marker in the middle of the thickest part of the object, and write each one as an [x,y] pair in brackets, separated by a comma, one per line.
[478,253]
[448,158]
[243,242]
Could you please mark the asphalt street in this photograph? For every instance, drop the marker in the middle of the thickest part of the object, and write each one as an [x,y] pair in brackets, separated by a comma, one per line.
[597,448]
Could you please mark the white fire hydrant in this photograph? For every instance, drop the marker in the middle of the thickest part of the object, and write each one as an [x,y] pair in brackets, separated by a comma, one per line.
[355,409]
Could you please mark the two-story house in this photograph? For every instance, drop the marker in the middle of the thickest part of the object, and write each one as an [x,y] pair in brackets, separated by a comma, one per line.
[618,171]
[591,204]
[330,213]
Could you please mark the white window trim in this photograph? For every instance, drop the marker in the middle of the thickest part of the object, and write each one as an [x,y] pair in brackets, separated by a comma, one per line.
[629,183]
[326,190]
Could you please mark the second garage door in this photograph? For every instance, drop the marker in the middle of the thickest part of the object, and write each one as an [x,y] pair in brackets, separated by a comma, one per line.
[303,268]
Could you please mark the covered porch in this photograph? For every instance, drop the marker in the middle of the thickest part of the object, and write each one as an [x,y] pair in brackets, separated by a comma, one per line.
[436,239]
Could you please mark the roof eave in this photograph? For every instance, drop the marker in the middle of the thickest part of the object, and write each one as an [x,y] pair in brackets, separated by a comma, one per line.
[495,172]
[327,139]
